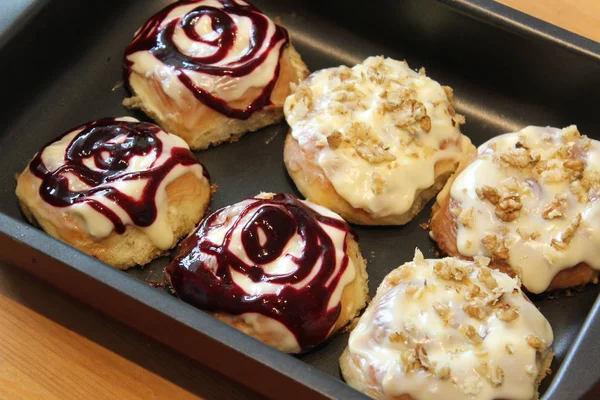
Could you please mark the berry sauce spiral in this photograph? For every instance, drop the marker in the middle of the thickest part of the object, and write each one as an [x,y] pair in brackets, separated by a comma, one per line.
[246,239]
[172,37]
[99,156]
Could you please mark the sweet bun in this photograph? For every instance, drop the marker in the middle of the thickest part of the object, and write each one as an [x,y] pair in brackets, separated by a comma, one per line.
[527,200]
[120,190]
[285,271]
[373,143]
[211,70]
[450,329]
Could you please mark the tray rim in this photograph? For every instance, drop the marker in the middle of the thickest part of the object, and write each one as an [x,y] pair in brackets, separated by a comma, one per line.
[486,11]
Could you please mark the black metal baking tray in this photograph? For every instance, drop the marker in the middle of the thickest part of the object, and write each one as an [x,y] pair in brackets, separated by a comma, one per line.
[508,70]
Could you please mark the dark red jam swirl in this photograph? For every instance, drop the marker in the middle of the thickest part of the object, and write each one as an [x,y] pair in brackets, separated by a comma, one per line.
[159,41]
[111,159]
[304,311]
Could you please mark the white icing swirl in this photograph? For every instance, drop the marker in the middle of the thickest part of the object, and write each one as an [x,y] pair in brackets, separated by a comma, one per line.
[226,62]
[98,224]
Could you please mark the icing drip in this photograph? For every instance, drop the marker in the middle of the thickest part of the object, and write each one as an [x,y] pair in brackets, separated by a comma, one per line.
[114,172]
[449,329]
[530,200]
[201,42]
[378,129]
[281,258]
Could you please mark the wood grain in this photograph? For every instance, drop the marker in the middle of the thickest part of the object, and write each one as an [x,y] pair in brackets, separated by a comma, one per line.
[54,348]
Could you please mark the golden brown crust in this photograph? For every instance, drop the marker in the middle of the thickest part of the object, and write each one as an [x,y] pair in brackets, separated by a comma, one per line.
[188,199]
[201,126]
[443,231]
[311,181]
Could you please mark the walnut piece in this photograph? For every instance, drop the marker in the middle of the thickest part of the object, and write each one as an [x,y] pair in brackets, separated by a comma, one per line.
[534,342]
[506,313]
[508,207]
[556,209]
[519,157]
[485,276]
[471,333]
[474,310]
[567,234]
[334,139]
[488,193]
[496,246]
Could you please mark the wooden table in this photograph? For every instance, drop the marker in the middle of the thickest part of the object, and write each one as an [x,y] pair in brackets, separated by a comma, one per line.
[53,348]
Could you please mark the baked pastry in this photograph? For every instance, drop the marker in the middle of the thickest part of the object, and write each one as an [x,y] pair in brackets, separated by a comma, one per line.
[374,142]
[527,200]
[120,190]
[450,329]
[285,271]
[211,70]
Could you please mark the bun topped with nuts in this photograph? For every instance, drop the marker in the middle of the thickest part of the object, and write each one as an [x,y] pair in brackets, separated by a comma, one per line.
[448,327]
[528,200]
[373,142]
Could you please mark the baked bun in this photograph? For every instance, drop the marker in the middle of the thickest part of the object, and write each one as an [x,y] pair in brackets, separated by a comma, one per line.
[528,201]
[450,329]
[211,70]
[373,143]
[120,190]
[285,271]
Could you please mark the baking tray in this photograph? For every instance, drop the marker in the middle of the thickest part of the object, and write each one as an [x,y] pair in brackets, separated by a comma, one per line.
[508,70]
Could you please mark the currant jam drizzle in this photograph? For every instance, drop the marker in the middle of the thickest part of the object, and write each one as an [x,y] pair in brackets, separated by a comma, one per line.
[207,282]
[111,144]
[159,40]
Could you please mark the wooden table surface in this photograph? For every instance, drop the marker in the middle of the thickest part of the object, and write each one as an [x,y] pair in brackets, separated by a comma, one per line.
[54,348]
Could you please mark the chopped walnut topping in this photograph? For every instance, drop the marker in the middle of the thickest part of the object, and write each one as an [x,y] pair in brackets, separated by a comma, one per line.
[576,167]
[507,313]
[496,376]
[471,333]
[519,158]
[443,310]
[398,337]
[334,139]
[411,288]
[481,368]
[510,349]
[508,208]
[474,310]
[485,276]
[556,209]
[422,356]
[448,271]
[488,193]
[443,372]
[467,218]
[496,246]
[377,183]
[426,123]
[367,144]
[567,234]
[304,95]
[409,361]
[534,342]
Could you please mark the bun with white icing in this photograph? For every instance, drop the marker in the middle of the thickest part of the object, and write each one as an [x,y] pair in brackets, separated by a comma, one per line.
[374,142]
[450,329]
[285,271]
[527,200]
[211,70]
[120,190]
